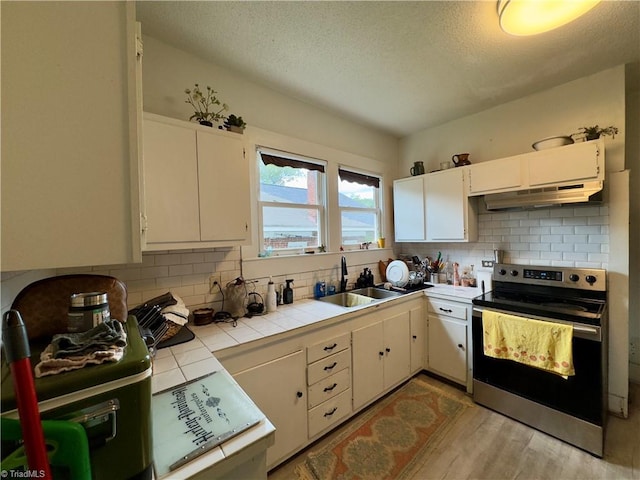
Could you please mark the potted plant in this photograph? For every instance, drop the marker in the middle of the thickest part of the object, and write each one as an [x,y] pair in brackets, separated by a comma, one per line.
[234,124]
[205,105]
[593,133]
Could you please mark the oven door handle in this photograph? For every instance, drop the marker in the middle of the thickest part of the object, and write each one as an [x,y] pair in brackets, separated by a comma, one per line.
[580,329]
[587,330]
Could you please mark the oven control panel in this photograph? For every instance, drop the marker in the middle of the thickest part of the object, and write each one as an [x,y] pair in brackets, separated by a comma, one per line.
[569,277]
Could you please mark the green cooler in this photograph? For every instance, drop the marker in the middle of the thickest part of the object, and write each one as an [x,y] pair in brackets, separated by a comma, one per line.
[111,401]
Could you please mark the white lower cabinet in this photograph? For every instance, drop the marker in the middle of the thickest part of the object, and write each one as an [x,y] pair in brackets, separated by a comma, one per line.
[381,357]
[329,382]
[418,327]
[278,389]
[447,340]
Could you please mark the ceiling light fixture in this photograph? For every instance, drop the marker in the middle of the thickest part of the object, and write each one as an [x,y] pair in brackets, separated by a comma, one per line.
[530,17]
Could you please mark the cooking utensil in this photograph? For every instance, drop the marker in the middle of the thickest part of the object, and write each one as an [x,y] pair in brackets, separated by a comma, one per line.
[397,273]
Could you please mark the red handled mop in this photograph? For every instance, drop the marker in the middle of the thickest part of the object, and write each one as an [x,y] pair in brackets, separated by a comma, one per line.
[16,345]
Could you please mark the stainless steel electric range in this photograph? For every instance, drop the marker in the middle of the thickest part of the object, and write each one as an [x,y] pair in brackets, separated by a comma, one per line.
[572,409]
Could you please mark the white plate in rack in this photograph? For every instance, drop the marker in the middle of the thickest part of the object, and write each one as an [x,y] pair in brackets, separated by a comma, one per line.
[398,273]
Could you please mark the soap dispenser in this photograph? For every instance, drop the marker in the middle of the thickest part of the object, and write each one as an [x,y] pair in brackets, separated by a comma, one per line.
[287,294]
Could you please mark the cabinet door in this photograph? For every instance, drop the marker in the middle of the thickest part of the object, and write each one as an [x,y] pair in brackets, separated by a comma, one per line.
[277,388]
[69,135]
[446,205]
[170,183]
[409,209]
[224,187]
[397,349]
[495,176]
[368,358]
[447,351]
[572,163]
[418,338]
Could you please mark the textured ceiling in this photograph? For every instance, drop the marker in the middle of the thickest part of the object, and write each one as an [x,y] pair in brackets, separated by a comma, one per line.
[397,66]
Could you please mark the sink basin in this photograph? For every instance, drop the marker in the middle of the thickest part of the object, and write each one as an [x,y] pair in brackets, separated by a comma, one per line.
[375,292]
[360,296]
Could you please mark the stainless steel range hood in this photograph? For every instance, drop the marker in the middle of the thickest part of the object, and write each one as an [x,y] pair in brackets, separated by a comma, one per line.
[589,193]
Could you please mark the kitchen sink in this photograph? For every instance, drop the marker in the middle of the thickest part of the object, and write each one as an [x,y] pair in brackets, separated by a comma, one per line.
[360,296]
[375,292]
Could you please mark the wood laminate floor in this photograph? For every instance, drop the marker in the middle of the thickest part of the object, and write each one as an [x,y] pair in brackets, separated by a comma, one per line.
[487,445]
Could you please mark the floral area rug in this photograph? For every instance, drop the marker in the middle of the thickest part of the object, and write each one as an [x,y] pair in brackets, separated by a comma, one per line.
[389,440]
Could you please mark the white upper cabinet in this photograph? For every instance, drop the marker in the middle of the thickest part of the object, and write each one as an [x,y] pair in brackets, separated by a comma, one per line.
[196,186]
[502,175]
[434,208]
[409,209]
[577,163]
[449,216]
[71,110]
[560,166]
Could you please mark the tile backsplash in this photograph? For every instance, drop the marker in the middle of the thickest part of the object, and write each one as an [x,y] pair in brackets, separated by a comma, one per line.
[567,236]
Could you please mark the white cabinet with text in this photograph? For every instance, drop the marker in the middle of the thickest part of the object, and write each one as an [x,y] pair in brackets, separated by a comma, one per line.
[278,389]
[196,181]
[381,357]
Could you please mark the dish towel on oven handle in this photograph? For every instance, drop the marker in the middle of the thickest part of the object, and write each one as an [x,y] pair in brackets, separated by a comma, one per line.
[540,344]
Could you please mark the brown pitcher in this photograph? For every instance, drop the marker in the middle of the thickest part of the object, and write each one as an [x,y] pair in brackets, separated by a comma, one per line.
[461,159]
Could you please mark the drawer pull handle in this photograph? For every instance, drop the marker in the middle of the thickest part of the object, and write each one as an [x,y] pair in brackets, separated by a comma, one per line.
[414,336]
[445,309]
[460,346]
[328,389]
[328,414]
[328,348]
[330,367]
[299,394]
[381,353]
[387,349]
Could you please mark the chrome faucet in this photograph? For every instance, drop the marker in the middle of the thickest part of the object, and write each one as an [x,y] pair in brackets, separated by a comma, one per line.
[344,276]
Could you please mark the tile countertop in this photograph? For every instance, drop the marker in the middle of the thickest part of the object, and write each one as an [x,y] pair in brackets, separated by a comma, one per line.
[176,365]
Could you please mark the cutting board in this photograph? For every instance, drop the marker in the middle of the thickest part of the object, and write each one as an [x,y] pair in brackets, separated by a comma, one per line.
[382,268]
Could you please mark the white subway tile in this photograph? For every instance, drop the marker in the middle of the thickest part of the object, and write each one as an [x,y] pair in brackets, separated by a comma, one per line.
[154,272]
[598,238]
[575,256]
[178,270]
[566,230]
[587,247]
[192,257]
[574,238]
[168,259]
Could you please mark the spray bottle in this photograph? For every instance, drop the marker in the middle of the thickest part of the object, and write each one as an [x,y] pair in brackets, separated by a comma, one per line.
[287,295]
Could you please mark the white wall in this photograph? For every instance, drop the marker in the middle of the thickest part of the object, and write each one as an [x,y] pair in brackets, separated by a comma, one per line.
[167,71]
[510,129]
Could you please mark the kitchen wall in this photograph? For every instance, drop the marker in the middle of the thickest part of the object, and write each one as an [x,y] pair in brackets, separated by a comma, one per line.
[571,239]
[167,71]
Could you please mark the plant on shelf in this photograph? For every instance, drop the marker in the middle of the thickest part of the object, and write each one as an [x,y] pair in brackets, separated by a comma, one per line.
[235,124]
[595,132]
[205,105]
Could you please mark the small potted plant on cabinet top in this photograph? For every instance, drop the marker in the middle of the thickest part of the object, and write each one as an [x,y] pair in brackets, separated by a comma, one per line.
[235,124]
[595,132]
[205,105]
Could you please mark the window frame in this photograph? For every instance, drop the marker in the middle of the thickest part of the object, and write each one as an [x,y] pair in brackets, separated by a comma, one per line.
[321,206]
[377,210]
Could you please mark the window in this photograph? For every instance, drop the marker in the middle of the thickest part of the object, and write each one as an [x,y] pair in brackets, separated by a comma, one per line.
[359,202]
[292,202]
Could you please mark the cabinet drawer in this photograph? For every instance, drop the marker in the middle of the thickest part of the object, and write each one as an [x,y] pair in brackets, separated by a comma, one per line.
[329,413]
[328,347]
[448,309]
[328,366]
[329,387]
